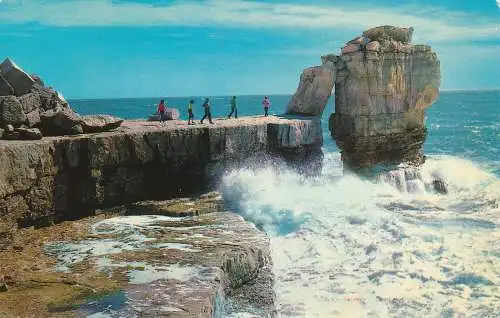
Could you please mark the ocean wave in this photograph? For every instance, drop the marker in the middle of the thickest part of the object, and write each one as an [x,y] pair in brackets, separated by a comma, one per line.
[346,247]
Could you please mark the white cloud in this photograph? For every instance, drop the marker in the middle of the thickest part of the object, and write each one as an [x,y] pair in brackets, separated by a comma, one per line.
[434,24]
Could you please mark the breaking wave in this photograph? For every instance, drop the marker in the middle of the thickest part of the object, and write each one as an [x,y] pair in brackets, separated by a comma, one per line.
[390,246]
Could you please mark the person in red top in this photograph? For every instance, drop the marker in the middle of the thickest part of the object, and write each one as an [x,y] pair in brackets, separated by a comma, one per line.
[266,103]
[161,110]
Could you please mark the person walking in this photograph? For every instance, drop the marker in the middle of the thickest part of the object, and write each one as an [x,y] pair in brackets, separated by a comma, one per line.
[234,109]
[190,113]
[266,103]
[161,111]
[206,106]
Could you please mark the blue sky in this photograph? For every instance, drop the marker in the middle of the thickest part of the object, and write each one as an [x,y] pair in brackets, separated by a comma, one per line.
[139,48]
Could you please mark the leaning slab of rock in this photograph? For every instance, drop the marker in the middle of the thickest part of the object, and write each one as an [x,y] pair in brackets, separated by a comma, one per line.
[315,88]
[5,88]
[20,81]
[59,122]
[11,111]
[100,123]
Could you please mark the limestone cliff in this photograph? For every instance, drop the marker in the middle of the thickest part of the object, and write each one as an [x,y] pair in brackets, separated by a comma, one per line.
[383,86]
[61,178]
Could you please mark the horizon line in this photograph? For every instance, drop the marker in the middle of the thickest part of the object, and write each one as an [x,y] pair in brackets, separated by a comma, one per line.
[269,94]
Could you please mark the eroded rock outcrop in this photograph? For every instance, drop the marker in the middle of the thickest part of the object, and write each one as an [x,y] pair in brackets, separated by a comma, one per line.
[315,88]
[384,84]
[25,102]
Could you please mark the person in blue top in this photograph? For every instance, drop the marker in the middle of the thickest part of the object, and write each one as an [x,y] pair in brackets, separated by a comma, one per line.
[234,109]
[206,106]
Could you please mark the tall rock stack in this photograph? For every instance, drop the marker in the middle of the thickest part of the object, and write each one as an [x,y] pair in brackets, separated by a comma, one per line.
[383,86]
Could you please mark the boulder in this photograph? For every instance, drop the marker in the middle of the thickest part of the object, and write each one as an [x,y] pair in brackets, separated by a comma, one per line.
[11,111]
[30,102]
[29,133]
[170,114]
[21,82]
[5,88]
[315,88]
[440,186]
[33,118]
[100,123]
[49,98]
[389,32]
[60,121]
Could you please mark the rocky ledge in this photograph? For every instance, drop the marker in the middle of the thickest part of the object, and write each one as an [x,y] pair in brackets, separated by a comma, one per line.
[117,265]
[64,178]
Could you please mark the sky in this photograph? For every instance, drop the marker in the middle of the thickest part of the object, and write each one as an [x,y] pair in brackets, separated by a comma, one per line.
[139,48]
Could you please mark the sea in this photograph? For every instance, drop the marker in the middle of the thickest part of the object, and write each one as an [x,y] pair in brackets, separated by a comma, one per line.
[347,246]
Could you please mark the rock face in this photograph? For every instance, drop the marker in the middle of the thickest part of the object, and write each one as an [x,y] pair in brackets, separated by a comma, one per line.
[315,88]
[25,100]
[383,87]
[63,178]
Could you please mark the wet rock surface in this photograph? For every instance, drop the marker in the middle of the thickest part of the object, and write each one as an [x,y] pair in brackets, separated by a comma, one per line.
[150,265]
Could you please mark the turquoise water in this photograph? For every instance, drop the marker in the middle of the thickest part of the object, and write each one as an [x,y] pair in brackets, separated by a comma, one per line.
[349,247]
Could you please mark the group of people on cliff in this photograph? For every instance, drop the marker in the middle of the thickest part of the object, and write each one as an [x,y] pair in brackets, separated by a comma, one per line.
[162,109]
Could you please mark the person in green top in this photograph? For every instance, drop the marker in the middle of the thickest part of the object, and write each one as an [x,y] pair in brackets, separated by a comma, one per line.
[190,113]
[234,110]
